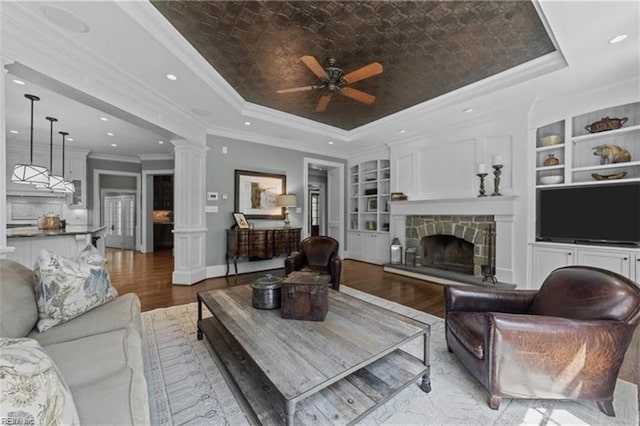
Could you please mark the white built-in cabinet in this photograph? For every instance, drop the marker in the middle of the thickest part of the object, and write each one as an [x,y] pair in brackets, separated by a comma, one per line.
[576,166]
[369,195]
[550,256]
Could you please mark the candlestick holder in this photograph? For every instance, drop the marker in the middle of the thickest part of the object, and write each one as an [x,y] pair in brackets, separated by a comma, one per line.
[496,179]
[482,191]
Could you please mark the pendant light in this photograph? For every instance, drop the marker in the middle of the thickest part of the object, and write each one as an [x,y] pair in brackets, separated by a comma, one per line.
[56,183]
[69,187]
[30,173]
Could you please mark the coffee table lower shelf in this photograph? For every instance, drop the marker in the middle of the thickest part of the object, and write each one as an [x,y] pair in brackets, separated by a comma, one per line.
[343,402]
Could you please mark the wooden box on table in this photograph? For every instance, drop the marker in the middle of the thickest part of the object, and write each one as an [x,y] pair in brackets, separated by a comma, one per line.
[304,296]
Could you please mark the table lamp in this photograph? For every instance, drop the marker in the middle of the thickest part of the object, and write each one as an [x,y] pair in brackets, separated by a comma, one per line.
[286,201]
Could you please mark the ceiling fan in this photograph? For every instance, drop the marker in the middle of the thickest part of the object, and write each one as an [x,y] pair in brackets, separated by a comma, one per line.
[335,80]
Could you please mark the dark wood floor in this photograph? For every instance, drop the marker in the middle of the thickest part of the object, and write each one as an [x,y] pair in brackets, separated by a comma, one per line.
[149,276]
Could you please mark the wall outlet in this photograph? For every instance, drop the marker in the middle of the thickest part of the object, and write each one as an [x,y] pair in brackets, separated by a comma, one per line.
[224,196]
[212,196]
[224,149]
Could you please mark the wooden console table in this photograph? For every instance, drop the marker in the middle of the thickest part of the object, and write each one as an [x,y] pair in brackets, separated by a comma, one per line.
[260,244]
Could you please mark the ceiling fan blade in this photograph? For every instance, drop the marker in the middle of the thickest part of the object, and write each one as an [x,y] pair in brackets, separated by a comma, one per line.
[315,67]
[367,71]
[298,89]
[323,102]
[358,95]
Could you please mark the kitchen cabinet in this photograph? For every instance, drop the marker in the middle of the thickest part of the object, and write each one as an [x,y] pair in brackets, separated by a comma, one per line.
[75,170]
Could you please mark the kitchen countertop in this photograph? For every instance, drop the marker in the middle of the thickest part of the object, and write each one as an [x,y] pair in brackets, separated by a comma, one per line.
[32,231]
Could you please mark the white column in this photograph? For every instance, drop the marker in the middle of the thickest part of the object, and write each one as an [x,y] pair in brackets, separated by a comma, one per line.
[189,231]
[3,168]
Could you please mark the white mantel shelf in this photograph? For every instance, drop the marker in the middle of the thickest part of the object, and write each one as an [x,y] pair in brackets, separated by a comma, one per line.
[498,205]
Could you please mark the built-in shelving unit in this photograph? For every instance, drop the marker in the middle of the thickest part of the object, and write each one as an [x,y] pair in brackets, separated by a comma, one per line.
[369,186]
[576,147]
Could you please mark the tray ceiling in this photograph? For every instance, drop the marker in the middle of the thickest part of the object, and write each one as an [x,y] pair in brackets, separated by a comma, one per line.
[427,48]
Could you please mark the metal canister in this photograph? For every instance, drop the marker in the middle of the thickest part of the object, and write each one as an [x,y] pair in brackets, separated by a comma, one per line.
[266,292]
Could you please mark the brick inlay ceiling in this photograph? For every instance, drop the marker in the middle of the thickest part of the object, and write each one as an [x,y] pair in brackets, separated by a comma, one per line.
[427,48]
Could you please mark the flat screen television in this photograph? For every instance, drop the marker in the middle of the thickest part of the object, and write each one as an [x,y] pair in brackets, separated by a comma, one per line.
[603,214]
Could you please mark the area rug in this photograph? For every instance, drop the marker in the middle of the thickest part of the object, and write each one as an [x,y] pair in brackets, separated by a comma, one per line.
[187,388]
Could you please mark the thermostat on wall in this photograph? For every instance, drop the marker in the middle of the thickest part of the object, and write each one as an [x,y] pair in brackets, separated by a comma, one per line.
[212,196]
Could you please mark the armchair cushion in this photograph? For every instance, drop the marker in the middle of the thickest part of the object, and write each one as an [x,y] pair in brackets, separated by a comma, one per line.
[468,327]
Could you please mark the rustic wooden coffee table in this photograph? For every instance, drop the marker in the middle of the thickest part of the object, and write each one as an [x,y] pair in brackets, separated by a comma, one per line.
[309,372]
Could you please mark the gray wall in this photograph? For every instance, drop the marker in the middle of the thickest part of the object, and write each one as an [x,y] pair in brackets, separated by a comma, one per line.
[244,155]
[117,182]
[97,164]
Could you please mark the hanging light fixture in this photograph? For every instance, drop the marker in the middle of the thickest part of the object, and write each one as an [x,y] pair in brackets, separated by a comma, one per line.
[30,173]
[55,183]
[69,187]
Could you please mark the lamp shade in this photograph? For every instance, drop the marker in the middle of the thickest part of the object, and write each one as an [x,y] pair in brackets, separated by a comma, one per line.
[30,173]
[287,200]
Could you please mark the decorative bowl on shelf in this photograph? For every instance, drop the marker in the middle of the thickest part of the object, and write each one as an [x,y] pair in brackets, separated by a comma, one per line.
[613,176]
[550,140]
[606,124]
[551,180]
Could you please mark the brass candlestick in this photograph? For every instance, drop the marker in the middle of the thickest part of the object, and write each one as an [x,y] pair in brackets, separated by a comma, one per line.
[482,191]
[496,179]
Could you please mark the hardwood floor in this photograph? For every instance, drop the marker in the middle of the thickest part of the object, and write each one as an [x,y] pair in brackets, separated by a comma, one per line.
[149,276]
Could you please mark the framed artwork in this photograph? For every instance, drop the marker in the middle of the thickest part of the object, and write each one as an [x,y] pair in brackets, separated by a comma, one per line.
[256,194]
[241,221]
[372,205]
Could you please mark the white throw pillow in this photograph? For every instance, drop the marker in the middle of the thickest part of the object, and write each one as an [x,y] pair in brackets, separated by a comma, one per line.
[33,390]
[68,287]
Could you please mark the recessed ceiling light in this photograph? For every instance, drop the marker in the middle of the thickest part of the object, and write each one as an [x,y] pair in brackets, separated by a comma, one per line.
[467,110]
[70,139]
[109,134]
[104,119]
[114,144]
[331,142]
[618,38]
[20,82]
[247,123]
[161,142]
[401,131]
[172,77]
[15,132]
[64,18]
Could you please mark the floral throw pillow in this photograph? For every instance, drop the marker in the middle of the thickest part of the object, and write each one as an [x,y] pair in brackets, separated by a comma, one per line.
[68,287]
[33,391]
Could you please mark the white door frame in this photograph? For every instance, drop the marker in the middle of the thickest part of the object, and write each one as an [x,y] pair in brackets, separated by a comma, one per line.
[97,200]
[145,199]
[341,209]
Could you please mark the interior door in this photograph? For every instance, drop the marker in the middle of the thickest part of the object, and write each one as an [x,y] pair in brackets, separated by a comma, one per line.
[119,219]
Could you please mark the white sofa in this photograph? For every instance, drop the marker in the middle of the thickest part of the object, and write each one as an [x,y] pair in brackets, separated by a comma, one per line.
[98,353]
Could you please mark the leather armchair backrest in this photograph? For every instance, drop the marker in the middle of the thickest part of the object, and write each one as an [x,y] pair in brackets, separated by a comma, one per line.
[588,293]
[318,250]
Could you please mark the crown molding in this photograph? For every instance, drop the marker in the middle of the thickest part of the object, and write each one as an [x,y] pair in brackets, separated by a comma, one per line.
[112,157]
[156,157]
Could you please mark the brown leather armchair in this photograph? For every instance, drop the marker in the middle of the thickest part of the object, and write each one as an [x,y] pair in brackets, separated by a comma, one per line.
[564,341]
[318,254]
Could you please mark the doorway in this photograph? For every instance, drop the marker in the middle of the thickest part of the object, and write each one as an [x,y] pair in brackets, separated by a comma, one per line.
[330,201]
[119,213]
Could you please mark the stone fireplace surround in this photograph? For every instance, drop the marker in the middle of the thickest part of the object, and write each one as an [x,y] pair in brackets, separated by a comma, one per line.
[470,228]
[502,209]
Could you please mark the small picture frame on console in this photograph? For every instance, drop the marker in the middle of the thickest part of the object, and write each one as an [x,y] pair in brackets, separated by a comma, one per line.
[241,221]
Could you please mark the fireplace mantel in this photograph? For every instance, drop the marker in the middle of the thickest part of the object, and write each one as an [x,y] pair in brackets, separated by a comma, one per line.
[503,209]
[499,205]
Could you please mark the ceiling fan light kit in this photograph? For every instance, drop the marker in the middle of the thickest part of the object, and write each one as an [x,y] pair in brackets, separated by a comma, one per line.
[30,173]
[335,80]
